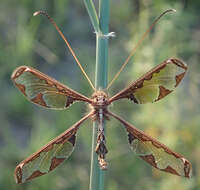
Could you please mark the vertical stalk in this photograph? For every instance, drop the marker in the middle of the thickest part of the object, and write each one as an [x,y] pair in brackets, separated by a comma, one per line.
[97,175]
[92,13]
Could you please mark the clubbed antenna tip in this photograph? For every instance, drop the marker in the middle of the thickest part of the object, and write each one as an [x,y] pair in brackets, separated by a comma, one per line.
[174,10]
[36,13]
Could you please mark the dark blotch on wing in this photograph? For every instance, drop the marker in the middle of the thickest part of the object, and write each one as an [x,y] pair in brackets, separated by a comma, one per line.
[132,97]
[69,101]
[130,138]
[72,139]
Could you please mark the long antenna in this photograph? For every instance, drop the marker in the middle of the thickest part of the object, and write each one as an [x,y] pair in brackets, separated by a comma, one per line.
[67,43]
[137,45]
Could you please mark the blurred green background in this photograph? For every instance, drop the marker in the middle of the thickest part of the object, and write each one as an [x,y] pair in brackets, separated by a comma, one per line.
[175,121]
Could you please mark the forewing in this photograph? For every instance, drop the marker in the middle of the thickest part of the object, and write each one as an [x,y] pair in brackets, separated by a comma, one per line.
[43,90]
[156,153]
[155,84]
[49,156]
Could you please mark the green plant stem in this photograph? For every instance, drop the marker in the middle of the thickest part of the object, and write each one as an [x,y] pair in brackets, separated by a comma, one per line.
[93,14]
[97,175]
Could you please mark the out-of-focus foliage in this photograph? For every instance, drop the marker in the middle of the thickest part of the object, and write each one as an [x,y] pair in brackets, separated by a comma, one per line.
[175,121]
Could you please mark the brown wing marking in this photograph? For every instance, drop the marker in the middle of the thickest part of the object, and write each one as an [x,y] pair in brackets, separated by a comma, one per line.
[44,90]
[49,156]
[155,84]
[155,153]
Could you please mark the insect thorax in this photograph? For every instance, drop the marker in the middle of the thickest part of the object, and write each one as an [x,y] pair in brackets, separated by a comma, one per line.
[99,103]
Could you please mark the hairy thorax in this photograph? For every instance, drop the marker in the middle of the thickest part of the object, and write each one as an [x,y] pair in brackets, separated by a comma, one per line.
[99,104]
